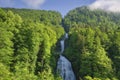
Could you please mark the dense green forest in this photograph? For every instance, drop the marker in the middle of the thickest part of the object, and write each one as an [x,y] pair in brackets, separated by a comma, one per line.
[93,44]
[29,44]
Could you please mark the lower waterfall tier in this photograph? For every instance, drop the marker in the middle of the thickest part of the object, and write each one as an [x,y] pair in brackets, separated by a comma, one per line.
[65,69]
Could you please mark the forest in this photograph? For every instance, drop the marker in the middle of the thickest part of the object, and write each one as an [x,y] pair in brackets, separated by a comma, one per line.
[28,47]
[93,44]
[29,44]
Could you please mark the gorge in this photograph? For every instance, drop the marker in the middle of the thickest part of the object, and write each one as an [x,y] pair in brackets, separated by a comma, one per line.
[63,65]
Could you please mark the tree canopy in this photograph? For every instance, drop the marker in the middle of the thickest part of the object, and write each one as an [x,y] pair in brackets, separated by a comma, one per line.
[27,47]
[93,44]
[29,44]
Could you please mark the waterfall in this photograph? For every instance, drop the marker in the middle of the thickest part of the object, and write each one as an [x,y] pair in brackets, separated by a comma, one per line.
[64,67]
[62,42]
[62,46]
[66,35]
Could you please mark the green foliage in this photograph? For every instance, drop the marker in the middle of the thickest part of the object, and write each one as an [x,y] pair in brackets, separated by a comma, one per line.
[90,78]
[114,51]
[84,17]
[28,42]
[42,16]
[5,73]
[89,57]
[26,46]
[93,44]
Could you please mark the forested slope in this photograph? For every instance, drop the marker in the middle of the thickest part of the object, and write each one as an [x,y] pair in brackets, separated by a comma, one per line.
[94,43]
[29,39]
[27,45]
[43,16]
[93,18]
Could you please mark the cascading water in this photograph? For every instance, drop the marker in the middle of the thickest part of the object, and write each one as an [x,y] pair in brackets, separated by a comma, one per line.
[66,35]
[63,65]
[62,46]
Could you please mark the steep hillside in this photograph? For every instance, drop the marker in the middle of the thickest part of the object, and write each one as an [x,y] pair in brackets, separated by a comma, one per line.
[27,45]
[93,44]
[92,18]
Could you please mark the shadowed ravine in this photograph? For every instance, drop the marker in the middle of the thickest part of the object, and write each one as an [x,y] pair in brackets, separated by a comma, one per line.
[63,65]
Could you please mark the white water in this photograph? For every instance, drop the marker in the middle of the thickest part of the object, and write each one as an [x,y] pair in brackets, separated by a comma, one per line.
[64,66]
[62,46]
[66,35]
